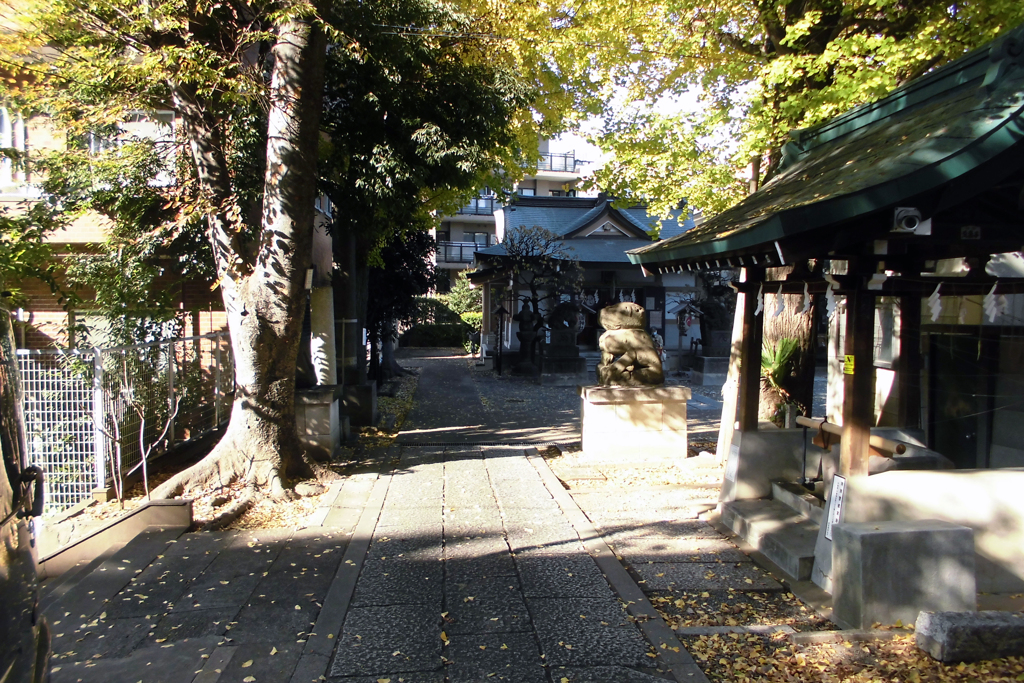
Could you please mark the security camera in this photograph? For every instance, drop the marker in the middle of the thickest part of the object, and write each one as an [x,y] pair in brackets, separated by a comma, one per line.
[906,219]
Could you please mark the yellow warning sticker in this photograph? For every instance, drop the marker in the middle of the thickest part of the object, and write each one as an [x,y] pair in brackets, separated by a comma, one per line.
[847,365]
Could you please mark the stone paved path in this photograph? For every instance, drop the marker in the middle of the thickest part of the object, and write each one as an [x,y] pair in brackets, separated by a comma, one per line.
[460,562]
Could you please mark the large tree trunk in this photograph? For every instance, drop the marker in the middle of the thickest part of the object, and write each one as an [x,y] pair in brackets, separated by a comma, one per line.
[264,297]
[795,324]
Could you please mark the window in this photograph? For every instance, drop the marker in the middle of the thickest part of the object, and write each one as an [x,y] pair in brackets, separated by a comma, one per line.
[12,135]
[526,191]
[479,238]
[556,193]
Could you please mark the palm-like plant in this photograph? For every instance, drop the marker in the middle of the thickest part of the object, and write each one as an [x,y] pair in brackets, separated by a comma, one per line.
[776,364]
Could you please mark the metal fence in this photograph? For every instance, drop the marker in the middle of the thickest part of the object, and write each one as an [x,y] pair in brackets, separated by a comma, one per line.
[83,408]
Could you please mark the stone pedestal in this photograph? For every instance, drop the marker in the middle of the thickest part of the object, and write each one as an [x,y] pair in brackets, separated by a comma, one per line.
[359,402]
[634,422]
[889,571]
[561,363]
[710,371]
[318,418]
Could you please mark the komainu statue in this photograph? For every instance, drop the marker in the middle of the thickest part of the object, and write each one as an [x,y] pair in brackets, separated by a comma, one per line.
[628,356]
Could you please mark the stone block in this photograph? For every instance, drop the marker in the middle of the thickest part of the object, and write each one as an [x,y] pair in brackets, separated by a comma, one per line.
[359,402]
[970,636]
[645,422]
[890,571]
[987,501]
[759,457]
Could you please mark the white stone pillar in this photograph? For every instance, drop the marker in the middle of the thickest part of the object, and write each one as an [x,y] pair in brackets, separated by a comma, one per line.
[322,351]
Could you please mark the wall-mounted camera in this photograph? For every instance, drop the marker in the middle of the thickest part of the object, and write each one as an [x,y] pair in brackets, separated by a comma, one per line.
[907,219]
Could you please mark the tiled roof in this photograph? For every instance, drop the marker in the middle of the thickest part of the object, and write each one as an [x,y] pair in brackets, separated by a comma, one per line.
[566,215]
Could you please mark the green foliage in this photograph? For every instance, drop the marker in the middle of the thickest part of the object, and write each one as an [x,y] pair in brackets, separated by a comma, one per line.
[434,335]
[416,122]
[121,274]
[24,252]
[751,72]
[777,365]
[475,319]
[463,297]
[432,310]
[405,275]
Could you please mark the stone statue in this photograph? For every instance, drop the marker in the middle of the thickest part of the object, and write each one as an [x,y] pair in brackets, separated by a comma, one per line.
[529,323]
[628,355]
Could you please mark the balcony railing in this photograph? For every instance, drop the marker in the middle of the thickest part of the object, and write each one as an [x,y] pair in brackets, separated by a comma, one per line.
[457,252]
[481,206]
[564,163]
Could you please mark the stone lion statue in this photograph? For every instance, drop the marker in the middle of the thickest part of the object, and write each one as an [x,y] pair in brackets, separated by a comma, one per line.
[628,354]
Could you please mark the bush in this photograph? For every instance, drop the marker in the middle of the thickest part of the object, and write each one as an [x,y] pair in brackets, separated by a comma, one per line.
[434,335]
[474,319]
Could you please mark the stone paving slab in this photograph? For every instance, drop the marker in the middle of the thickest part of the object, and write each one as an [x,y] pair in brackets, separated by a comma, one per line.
[571,576]
[420,548]
[493,605]
[474,566]
[587,632]
[654,549]
[400,582]
[604,674]
[156,663]
[704,576]
[512,657]
[376,641]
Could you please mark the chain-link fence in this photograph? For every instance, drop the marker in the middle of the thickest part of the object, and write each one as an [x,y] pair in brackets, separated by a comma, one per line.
[92,413]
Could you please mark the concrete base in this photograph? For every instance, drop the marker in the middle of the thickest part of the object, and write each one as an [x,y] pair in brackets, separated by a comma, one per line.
[757,458]
[890,571]
[634,422]
[359,402]
[318,419]
[987,501]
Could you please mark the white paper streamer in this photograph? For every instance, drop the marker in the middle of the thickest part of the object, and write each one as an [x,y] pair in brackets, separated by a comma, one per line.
[760,300]
[935,303]
[807,301]
[830,301]
[992,304]
[780,304]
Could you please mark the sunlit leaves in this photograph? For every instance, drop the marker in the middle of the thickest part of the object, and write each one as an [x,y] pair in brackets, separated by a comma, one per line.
[760,70]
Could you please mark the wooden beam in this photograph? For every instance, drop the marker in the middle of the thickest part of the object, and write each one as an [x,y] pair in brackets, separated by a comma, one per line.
[908,369]
[750,356]
[858,385]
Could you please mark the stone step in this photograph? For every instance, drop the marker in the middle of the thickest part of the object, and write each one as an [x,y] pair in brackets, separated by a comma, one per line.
[86,594]
[54,589]
[799,499]
[783,535]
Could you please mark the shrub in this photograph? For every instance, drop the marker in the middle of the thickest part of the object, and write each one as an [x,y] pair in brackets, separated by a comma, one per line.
[434,335]
[474,319]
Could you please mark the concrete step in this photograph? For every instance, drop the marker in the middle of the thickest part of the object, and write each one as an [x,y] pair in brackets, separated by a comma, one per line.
[799,499]
[166,514]
[101,579]
[785,536]
[55,588]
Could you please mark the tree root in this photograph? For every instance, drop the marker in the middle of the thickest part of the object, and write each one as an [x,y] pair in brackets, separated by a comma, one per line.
[233,512]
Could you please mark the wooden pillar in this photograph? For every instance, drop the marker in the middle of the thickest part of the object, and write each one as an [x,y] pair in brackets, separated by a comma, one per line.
[750,355]
[858,385]
[908,371]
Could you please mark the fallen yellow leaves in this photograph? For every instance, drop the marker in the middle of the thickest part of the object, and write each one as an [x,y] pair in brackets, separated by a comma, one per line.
[752,658]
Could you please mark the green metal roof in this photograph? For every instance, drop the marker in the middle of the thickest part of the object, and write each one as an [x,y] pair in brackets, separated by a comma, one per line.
[922,136]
